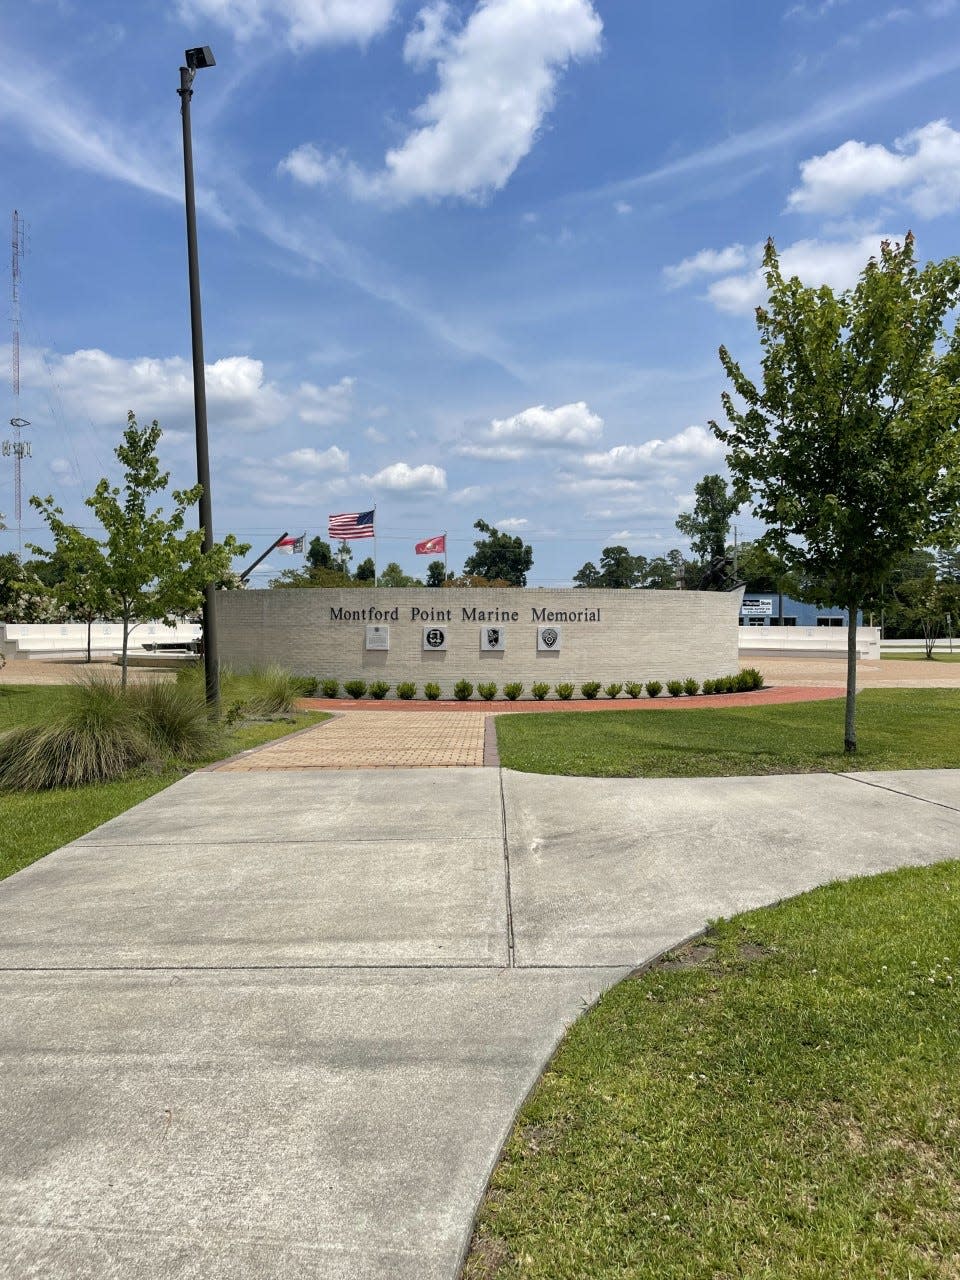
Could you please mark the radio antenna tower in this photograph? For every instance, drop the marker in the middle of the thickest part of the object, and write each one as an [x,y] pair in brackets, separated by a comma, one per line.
[17,448]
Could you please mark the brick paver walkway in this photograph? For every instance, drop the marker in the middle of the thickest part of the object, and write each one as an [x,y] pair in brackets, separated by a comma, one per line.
[375,740]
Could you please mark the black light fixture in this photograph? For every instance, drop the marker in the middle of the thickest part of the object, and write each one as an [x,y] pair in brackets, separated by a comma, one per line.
[195,59]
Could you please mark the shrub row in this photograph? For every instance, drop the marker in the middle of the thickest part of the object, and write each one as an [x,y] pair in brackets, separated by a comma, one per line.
[463,690]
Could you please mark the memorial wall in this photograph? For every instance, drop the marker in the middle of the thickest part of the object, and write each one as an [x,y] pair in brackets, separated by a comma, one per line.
[444,635]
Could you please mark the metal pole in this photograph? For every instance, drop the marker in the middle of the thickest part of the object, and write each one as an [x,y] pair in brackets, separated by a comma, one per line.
[211,649]
[247,572]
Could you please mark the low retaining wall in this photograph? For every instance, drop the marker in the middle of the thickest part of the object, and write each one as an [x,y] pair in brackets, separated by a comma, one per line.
[807,642]
[500,636]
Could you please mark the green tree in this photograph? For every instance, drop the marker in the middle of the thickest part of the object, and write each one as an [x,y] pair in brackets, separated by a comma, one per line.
[708,528]
[319,555]
[343,557]
[499,556]
[618,570]
[77,574]
[366,572]
[661,574]
[149,568]
[436,573]
[393,576]
[850,442]
[23,596]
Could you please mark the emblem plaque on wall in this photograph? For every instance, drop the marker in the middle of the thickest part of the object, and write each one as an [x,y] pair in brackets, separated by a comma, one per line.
[378,638]
[493,639]
[548,639]
[434,639]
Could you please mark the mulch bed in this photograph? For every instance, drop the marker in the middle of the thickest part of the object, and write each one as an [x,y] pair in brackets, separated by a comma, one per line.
[500,706]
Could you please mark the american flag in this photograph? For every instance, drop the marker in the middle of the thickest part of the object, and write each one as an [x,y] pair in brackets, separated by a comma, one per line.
[351,524]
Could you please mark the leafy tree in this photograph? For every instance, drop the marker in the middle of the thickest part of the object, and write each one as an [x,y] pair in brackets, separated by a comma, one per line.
[436,573]
[313,578]
[499,556]
[366,571]
[761,569]
[708,528]
[850,442]
[618,570]
[23,597]
[393,576]
[476,580]
[343,557]
[319,555]
[661,574]
[78,574]
[149,569]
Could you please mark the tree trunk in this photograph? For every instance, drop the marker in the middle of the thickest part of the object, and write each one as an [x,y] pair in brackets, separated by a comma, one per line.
[123,653]
[89,630]
[850,720]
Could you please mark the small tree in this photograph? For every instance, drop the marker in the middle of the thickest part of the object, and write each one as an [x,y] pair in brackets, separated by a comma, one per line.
[498,555]
[708,528]
[148,569]
[393,576]
[436,573]
[80,579]
[366,571]
[319,555]
[850,442]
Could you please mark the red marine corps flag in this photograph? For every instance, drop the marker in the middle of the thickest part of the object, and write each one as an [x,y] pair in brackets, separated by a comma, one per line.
[432,546]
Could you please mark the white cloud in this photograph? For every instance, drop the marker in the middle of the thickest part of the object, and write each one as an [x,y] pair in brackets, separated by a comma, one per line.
[375,436]
[305,23]
[104,387]
[837,263]
[708,262]
[510,439]
[923,169]
[621,207]
[472,493]
[314,462]
[692,444]
[511,522]
[323,406]
[498,78]
[400,477]
[426,42]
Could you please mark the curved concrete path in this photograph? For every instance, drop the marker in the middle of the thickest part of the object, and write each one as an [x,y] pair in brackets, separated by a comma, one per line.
[278,1024]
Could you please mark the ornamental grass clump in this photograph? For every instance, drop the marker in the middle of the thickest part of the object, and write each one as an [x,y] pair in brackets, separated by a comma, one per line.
[633,689]
[487,691]
[270,691]
[512,691]
[98,737]
[330,688]
[174,718]
[613,690]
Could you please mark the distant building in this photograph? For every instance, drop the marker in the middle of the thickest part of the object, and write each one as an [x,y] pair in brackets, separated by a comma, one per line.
[763,609]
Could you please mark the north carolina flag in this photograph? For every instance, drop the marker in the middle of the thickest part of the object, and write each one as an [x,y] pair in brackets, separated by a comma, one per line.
[433,546]
[290,545]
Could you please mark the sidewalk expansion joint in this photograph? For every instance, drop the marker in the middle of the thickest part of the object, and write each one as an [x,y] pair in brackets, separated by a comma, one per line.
[511,940]
[866,782]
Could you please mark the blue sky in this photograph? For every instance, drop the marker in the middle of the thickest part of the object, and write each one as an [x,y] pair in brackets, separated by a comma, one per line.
[460,260]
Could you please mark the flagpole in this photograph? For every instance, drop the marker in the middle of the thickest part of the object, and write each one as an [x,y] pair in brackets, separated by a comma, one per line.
[444,555]
[375,544]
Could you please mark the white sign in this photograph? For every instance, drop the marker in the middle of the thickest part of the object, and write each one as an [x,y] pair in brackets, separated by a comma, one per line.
[548,639]
[492,639]
[434,639]
[378,638]
[754,608]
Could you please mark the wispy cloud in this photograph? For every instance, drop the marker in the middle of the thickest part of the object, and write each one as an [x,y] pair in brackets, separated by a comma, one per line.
[768,137]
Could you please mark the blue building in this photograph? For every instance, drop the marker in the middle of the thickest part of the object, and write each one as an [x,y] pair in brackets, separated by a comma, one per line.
[763,609]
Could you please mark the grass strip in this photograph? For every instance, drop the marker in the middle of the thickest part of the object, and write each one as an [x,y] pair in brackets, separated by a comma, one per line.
[896,729]
[34,823]
[778,1102]
[894,656]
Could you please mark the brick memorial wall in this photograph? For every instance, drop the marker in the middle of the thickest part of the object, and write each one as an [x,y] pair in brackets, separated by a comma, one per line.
[445,635]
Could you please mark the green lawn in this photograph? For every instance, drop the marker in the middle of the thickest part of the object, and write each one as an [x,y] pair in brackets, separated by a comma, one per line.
[896,729]
[780,1104]
[34,823]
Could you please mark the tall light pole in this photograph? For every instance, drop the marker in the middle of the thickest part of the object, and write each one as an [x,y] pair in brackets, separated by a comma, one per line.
[196,58]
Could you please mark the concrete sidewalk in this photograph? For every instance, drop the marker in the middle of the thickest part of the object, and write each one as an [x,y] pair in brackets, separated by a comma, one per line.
[278,1024]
